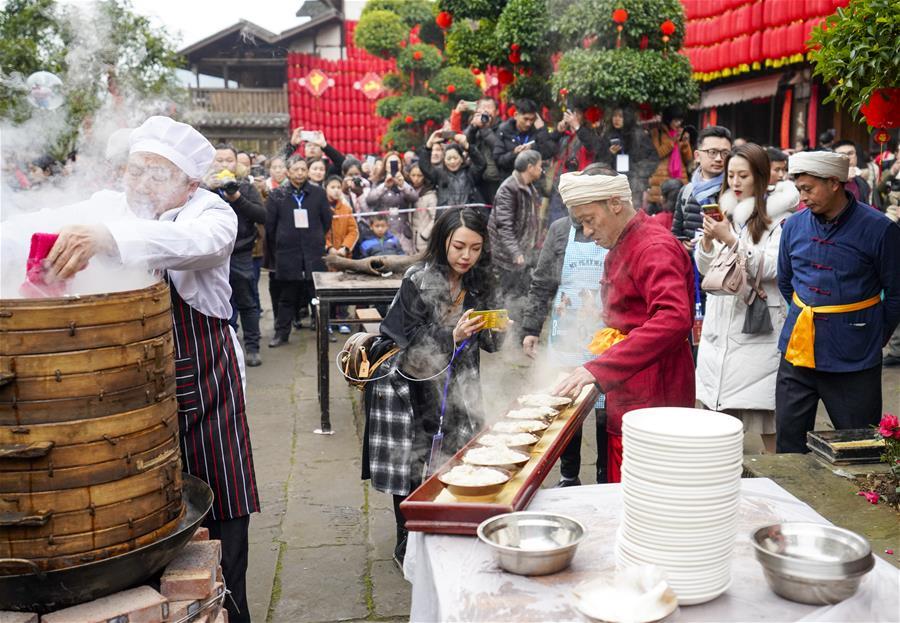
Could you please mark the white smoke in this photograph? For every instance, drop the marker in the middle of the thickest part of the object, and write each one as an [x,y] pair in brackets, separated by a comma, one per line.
[29,205]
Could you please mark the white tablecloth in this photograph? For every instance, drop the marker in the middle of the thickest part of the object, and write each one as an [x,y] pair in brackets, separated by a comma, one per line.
[455,578]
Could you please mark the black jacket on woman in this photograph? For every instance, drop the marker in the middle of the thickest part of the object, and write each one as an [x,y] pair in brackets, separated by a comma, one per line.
[420,321]
[294,252]
[454,187]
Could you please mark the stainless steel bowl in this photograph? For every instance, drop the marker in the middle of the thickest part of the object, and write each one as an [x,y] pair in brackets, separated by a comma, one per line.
[812,563]
[532,543]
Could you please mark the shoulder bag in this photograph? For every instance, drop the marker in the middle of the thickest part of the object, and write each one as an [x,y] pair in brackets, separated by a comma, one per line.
[727,275]
[757,319]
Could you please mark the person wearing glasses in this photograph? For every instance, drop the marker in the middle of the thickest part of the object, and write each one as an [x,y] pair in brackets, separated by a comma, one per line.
[713,147]
[166,222]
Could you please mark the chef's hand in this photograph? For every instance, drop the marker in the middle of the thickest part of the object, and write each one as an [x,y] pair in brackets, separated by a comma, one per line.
[529,345]
[74,248]
[574,383]
[467,327]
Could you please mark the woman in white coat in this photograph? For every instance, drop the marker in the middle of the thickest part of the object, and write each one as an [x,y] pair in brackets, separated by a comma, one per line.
[736,370]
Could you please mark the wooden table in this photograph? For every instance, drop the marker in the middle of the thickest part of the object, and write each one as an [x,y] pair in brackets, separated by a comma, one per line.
[832,496]
[343,289]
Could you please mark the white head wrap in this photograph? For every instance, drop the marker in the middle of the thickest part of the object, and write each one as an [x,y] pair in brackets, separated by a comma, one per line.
[824,164]
[578,189]
[177,142]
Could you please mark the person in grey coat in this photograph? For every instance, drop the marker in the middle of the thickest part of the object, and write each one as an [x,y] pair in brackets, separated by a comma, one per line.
[513,228]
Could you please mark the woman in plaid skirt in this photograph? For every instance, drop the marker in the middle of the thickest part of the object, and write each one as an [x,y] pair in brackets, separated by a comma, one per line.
[429,320]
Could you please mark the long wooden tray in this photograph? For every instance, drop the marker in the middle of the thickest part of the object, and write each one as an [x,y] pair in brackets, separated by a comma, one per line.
[431,508]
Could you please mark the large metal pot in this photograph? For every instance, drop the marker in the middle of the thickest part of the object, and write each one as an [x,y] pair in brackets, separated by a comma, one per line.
[33,590]
[89,456]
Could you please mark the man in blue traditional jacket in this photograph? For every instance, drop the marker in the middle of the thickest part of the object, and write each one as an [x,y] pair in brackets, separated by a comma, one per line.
[839,266]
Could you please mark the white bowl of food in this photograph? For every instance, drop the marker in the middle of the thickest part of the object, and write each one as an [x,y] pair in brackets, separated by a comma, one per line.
[474,481]
[496,456]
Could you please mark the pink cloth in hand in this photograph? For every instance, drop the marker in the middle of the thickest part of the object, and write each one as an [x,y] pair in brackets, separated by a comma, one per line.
[35,285]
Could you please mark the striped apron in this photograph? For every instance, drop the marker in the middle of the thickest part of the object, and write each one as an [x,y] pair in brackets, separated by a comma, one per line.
[215,436]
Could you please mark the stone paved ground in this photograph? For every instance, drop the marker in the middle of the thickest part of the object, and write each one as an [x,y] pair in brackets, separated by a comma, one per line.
[321,549]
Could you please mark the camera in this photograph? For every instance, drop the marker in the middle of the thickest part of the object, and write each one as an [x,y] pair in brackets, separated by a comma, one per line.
[258,170]
[485,118]
[357,181]
[230,187]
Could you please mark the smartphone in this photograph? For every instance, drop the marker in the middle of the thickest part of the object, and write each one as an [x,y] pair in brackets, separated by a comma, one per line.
[448,135]
[471,106]
[713,211]
[528,145]
[308,136]
[370,160]
[394,166]
[496,319]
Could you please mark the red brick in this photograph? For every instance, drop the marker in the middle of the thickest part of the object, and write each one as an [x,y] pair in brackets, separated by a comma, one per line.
[202,534]
[192,575]
[219,576]
[17,617]
[140,605]
[180,609]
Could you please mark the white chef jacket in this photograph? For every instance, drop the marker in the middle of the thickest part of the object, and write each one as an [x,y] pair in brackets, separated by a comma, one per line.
[193,242]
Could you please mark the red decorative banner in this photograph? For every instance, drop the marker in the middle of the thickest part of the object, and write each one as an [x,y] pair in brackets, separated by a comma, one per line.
[370,85]
[317,82]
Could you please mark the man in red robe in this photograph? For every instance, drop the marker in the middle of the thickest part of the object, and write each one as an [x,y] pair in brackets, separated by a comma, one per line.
[648,294]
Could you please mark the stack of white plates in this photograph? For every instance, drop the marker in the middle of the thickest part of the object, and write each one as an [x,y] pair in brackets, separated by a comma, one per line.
[681,479]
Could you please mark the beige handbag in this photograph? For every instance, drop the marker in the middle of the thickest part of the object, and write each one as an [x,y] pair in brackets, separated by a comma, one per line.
[727,275]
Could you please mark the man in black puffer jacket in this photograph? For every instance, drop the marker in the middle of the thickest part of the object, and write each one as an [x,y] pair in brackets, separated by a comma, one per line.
[244,199]
[526,130]
[713,146]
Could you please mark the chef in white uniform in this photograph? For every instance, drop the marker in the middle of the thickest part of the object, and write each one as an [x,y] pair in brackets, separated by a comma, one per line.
[165,222]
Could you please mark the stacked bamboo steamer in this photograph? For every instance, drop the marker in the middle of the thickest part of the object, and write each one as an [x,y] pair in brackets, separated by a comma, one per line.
[89,458]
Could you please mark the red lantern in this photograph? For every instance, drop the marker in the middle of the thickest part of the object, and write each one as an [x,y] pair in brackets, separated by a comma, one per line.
[515,58]
[408,119]
[451,88]
[882,137]
[620,16]
[593,114]
[883,108]
[444,19]
[417,55]
[514,47]
[476,71]
[563,92]
[667,27]
[505,76]
[511,110]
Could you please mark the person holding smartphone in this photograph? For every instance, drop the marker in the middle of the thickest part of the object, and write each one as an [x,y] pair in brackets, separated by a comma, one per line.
[526,130]
[395,193]
[457,180]
[737,363]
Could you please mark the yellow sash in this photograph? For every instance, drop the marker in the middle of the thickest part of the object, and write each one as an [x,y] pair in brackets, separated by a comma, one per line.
[604,339]
[801,346]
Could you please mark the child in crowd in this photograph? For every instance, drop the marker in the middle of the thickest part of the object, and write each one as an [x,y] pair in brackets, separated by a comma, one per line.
[380,241]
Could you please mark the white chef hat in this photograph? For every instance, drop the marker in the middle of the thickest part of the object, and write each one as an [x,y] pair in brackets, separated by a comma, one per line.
[177,142]
[820,164]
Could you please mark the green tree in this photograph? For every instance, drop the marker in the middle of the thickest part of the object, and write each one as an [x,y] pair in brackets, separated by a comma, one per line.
[101,51]
[856,51]
[424,86]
